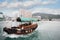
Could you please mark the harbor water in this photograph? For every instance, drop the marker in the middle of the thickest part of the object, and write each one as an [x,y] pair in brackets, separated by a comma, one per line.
[47,30]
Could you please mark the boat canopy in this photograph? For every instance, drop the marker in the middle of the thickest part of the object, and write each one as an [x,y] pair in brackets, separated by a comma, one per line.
[28,19]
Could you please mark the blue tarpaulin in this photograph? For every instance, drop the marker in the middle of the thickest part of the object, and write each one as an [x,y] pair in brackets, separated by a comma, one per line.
[28,19]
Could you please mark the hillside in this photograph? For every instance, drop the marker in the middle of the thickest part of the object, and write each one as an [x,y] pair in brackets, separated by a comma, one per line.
[45,15]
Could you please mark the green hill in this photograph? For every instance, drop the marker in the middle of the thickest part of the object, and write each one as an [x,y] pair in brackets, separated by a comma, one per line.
[45,15]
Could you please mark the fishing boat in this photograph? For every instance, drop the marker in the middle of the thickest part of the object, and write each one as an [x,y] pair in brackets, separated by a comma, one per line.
[21,29]
[25,28]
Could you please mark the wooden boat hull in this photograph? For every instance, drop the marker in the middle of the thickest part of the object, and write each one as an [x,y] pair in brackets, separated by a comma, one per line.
[21,29]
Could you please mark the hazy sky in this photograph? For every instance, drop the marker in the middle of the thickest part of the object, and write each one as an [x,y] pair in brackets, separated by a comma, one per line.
[44,6]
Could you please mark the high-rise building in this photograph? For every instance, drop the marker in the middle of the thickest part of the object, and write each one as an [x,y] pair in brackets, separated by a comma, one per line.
[38,17]
[1,16]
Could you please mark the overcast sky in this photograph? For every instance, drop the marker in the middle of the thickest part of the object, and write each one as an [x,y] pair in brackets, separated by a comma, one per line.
[44,6]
